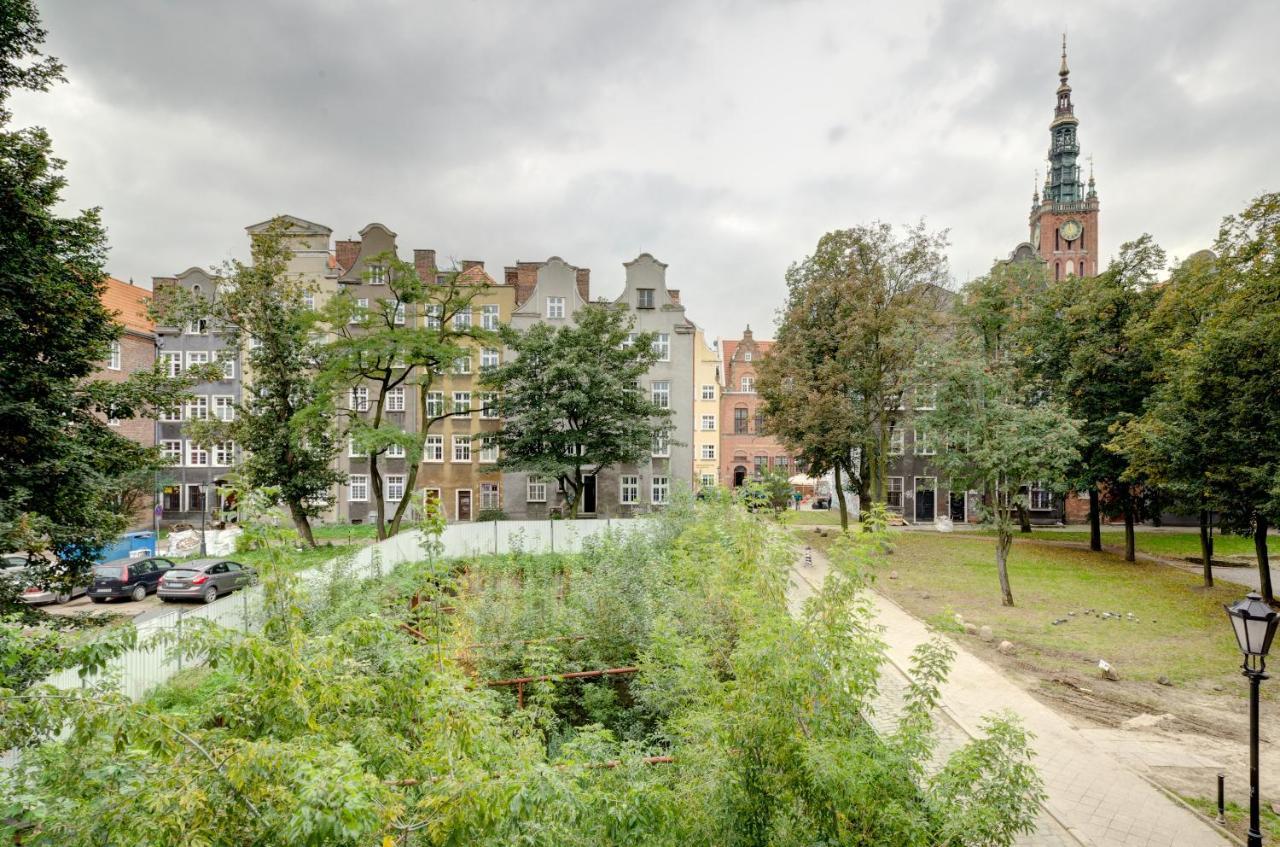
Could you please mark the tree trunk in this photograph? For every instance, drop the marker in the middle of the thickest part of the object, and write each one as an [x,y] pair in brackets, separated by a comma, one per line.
[1128,531]
[1004,540]
[379,506]
[844,507]
[301,523]
[1206,548]
[1264,562]
[1095,520]
[1024,518]
[403,505]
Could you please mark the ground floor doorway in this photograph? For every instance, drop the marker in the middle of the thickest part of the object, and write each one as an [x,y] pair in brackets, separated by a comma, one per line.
[926,498]
[958,512]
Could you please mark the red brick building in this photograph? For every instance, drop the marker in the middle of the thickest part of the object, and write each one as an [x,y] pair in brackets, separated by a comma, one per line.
[746,449]
[134,351]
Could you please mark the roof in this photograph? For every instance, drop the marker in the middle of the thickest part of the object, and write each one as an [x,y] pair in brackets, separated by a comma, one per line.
[731,347]
[128,305]
[475,275]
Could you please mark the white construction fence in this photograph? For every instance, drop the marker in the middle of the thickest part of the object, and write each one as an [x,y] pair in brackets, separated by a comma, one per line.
[153,662]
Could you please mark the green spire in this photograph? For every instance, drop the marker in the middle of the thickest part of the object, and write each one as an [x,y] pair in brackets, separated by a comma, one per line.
[1063,183]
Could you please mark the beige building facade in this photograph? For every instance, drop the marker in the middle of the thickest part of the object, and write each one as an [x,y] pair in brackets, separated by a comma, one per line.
[707,389]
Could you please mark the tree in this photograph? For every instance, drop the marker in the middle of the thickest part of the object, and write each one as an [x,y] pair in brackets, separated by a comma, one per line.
[571,400]
[1080,343]
[405,339]
[847,345]
[63,466]
[282,423]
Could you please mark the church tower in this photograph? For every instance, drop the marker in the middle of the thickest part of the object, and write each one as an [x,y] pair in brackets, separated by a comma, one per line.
[1064,222]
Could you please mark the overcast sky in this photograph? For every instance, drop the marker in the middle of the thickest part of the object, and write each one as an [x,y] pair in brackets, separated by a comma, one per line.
[723,137]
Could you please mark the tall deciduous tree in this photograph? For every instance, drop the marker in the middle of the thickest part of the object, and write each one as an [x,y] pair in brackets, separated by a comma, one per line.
[282,423]
[62,466]
[405,339]
[571,400]
[1081,343]
[857,310]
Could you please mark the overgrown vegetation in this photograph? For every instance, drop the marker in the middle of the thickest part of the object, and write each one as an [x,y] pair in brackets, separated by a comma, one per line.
[362,712]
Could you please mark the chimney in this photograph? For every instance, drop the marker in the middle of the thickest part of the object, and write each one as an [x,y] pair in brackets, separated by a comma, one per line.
[674,293]
[584,284]
[346,253]
[526,280]
[468,264]
[510,275]
[424,262]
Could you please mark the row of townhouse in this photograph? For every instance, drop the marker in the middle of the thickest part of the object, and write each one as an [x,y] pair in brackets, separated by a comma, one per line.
[457,469]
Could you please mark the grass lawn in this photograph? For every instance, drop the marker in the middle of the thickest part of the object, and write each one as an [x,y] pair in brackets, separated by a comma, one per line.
[1238,817]
[344,532]
[1181,632]
[1178,544]
[829,517]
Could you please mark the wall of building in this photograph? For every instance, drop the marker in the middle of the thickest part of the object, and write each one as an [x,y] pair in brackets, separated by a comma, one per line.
[746,448]
[706,412]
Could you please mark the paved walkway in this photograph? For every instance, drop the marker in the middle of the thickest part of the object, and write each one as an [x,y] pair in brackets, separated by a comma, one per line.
[1093,799]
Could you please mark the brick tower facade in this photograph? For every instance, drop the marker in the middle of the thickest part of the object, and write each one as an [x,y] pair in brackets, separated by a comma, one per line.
[1064,222]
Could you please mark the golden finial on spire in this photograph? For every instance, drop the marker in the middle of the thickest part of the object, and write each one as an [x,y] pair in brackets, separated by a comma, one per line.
[1062,71]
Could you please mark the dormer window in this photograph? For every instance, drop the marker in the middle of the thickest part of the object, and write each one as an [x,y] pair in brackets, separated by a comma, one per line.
[746,357]
[377,275]
[644,298]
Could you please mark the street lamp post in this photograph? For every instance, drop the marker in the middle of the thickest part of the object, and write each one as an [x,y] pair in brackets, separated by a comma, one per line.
[204,510]
[1254,623]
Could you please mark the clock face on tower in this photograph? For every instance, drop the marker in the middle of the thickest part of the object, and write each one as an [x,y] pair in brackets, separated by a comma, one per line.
[1071,230]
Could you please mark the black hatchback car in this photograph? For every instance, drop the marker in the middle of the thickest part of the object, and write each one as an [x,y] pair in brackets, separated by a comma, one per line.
[132,578]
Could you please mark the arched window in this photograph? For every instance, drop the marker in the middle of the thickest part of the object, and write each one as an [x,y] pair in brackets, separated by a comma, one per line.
[1071,267]
[1057,270]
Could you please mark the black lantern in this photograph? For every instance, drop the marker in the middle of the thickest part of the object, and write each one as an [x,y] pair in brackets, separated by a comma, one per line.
[1255,626]
[1254,623]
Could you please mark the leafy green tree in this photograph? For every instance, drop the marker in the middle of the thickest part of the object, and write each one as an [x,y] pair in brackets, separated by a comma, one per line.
[857,310]
[1080,342]
[63,467]
[571,401]
[404,339]
[282,423]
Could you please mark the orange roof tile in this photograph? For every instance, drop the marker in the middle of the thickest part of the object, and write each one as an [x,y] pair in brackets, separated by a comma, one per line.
[475,275]
[128,305]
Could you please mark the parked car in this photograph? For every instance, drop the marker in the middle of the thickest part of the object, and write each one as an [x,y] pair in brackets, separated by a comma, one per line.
[204,579]
[132,578]
[42,595]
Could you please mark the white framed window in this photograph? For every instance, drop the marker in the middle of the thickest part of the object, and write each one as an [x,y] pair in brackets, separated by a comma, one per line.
[660,490]
[358,488]
[630,342]
[1041,498]
[114,356]
[399,318]
[893,492]
[224,454]
[376,274]
[489,317]
[254,342]
[171,451]
[395,399]
[749,385]
[897,441]
[708,423]
[227,358]
[660,391]
[199,326]
[555,307]
[309,299]
[708,452]
[359,398]
[708,480]
[489,359]
[661,445]
[644,298]
[171,415]
[462,365]
[352,452]
[489,498]
[662,346]
[629,490]
[462,448]
[462,402]
[198,408]
[362,311]
[708,392]
[433,450]
[171,364]
[197,357]
[746,356]
[924,445]
[536,490]
[395,486]
[489,406]
[197,456]
[488,450]
[927,397]
[395,451]
[224,407]
[435,404]
[462,319]
[433,315]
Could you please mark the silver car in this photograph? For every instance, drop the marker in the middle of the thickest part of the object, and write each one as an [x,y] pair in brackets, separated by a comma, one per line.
[204,579]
